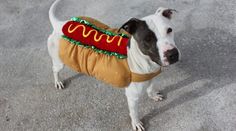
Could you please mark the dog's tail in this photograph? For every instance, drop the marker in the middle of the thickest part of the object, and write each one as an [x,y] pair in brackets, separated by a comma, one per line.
[56,23]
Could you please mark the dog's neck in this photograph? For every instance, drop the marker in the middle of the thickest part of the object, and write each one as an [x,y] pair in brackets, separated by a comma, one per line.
[138,62]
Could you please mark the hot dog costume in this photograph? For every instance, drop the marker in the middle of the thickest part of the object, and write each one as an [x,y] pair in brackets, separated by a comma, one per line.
[93,48]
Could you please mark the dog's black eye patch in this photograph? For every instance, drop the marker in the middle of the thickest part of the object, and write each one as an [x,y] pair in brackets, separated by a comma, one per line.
[150,37]
[147,41]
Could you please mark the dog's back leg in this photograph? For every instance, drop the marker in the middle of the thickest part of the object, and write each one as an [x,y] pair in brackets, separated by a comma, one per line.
[53,49]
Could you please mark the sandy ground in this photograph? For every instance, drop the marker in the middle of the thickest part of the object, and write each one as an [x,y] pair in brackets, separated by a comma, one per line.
[200,90]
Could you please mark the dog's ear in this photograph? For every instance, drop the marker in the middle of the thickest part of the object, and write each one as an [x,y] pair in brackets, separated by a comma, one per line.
[165,12]
[168,13]
[130,26]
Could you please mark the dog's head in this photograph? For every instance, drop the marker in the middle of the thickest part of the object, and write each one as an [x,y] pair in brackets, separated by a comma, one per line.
[154,35]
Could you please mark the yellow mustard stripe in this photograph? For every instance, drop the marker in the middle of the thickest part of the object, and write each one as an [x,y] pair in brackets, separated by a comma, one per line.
[95,36]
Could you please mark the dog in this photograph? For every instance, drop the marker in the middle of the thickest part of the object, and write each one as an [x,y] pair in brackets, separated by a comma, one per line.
[151,46]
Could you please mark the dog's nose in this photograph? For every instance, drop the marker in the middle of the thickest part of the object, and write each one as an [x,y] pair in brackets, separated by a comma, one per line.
[172,55]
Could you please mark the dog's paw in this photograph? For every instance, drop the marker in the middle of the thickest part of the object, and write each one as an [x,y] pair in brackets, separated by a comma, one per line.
[59,85]
[157,96]
[138,126]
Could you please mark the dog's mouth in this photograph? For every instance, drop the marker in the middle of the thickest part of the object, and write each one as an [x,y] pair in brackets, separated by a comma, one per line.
[170,57]
[165,62]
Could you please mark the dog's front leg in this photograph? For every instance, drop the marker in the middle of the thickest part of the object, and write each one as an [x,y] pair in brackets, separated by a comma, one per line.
[156,96]
[133,93]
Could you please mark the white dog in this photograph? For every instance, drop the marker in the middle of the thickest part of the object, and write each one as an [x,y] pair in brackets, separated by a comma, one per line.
[151,46]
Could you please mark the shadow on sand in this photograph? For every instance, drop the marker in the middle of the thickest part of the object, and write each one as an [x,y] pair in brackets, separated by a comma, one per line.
[67,81]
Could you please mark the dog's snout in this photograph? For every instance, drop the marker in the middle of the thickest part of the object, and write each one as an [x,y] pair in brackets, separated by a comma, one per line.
[172,55]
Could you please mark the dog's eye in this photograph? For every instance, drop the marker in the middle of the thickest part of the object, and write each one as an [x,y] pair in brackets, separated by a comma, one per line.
[169,30]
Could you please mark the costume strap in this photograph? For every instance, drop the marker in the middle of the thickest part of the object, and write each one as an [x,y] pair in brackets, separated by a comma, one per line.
[135,77]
